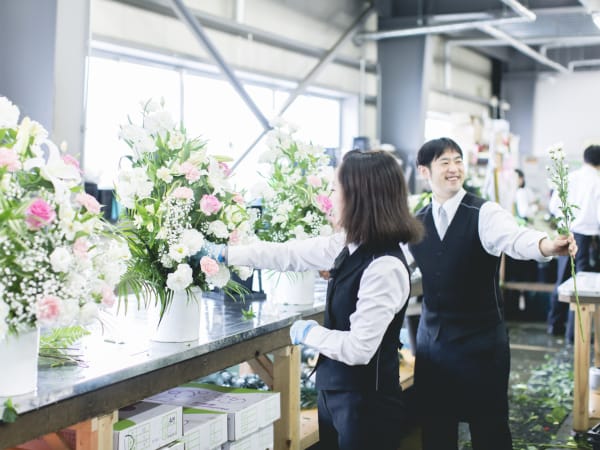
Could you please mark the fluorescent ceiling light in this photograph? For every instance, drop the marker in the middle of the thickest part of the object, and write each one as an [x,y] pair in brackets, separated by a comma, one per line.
[596,18]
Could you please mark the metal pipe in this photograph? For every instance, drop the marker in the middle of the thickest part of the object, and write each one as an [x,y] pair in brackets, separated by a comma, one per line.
[520,9]
[186,17]
[326,59]
[523,48]
[551,41]
[583,63]
[246,31]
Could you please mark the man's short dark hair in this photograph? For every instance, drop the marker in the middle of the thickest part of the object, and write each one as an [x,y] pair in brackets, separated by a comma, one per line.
[591,155]
[433,149]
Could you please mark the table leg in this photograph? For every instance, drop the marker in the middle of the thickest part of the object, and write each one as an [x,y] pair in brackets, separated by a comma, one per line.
[581,367]
[597,337]
[286,381]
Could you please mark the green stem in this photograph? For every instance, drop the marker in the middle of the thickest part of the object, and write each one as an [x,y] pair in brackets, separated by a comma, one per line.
[577,298]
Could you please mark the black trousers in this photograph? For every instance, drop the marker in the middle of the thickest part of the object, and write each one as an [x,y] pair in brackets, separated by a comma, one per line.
[559,316]
[351,420]
[488,432]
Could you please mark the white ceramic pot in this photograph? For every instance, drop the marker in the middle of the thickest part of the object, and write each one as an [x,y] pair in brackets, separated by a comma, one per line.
[19,356]
[180,322]
[291,288]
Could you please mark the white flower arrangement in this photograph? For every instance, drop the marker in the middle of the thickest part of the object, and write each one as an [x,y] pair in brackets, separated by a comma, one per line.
[296,196]
[177,197]
[59,259]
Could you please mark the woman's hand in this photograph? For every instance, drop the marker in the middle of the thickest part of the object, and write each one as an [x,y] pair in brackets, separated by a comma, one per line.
[559,246]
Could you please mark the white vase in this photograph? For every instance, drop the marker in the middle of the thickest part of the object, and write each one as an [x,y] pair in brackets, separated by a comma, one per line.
[291,288]
[181,320]
[19,356]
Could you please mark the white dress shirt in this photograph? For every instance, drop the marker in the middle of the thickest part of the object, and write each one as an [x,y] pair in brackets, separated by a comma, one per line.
[584,191]
[498,231]
[382,293]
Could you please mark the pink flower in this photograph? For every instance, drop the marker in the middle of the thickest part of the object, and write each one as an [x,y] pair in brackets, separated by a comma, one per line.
[324,203]
[48,309]
[183,192]
[225,168]
[39,213]
[190,171]
[70,161]
[209,266]
[81,247]
[314,181]
[209,204]
[108,296]
[238,199]
[88,202]
[9,159]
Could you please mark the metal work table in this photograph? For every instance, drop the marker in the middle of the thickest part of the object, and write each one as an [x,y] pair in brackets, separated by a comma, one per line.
[588,287]
[120,370]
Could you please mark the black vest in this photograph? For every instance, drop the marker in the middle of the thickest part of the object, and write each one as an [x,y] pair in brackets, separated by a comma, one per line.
[381,373]
[461,294]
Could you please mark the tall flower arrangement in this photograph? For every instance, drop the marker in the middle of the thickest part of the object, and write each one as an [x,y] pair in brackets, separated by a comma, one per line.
[58,260]
[296,195]
[177,198]
[558,172]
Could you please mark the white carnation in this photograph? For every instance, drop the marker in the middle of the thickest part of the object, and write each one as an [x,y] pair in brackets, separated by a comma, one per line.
[221,278]
[244,272]
[193,241]
[9,114]
[61,259]
[87,313]
[218,229]
[180,279]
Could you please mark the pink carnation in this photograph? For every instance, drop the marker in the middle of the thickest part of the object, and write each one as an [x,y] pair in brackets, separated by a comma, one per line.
[183,192]
[209,266]
[225,168]
[39,213]
[81,247]
[88,202]
[209,204]
[238,199]
[324,203]
[9,159]
[234,237]
[48,309]
[190,171]
[314,181]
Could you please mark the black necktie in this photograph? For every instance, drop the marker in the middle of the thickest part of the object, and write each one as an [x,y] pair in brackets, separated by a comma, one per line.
[340,258]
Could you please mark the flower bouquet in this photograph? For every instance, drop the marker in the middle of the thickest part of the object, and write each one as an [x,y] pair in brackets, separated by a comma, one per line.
[296,201]
[58,259]
[178,198]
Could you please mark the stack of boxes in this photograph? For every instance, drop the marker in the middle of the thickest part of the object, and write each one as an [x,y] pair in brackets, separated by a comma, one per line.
[200,417]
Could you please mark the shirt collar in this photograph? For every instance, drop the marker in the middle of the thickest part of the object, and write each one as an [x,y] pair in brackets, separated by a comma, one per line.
[450,205]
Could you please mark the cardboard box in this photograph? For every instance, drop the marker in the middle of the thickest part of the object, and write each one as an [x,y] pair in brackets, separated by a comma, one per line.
[204,429]
[147,426]
[262,439]
[247,409]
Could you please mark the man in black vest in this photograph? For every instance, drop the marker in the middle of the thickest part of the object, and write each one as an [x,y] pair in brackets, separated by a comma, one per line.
[462,355]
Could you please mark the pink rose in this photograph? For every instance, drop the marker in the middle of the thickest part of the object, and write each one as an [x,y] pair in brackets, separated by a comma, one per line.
[238,199]
[183,192]
[190,171]
[209,204]
[81,247]
[70,161]
[48,309]
[209,266]
[88,202]
[108,296]
[324,203]
[314,181]
[39,213]
[9,159]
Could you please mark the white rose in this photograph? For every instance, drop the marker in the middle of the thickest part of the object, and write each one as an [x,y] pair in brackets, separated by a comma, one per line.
[9,114]
[180,279]
[221,278]
[61,259]
[218,229]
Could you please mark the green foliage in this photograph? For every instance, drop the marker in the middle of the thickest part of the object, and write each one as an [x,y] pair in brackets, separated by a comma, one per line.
[55,347]
[10,413]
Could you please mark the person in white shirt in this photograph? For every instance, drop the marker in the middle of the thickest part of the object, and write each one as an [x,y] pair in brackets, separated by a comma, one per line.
[584,191]
[462,357]
[525,204]
[360,402]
